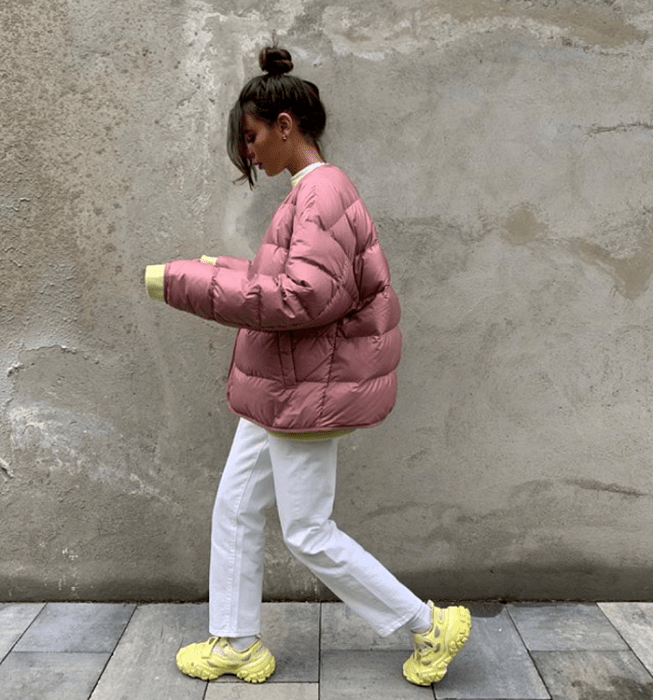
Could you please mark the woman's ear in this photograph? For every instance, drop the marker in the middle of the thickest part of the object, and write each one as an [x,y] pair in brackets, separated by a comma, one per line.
[285,122]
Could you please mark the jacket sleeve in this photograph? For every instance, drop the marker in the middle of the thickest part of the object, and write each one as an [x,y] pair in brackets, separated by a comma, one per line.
[155,275]
[315,288]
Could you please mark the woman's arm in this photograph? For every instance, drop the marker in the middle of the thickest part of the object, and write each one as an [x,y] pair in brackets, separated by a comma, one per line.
[315,288]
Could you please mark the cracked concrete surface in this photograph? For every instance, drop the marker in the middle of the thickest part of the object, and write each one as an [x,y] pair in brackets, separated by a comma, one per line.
[504,149]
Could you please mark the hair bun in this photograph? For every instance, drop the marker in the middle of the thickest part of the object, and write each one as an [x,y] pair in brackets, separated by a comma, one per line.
[275,61]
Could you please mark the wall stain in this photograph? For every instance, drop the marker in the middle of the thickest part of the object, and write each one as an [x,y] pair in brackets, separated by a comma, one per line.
[631,275]
[522,226]
[592,25]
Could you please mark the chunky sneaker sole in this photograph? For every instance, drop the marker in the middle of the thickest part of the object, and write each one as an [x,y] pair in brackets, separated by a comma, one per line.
[214,658]
[435,649]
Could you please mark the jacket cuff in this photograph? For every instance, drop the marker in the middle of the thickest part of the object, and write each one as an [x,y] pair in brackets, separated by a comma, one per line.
[208,260]
[154,275]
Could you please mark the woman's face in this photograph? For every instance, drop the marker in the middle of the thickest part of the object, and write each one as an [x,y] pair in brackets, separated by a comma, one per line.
[264,145]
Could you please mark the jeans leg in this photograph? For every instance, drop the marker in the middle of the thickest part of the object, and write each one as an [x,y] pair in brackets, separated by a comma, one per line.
[238,535]
[305,484]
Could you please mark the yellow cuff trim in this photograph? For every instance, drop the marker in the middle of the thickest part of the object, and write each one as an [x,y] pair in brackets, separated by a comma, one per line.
[208,260]
[154,275]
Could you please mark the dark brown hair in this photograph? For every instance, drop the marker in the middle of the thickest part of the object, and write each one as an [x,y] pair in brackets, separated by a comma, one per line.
[265,97]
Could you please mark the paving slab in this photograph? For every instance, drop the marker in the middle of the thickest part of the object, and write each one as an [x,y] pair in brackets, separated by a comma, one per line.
[15,618]
[264,691]
[50,676]
[634,622]
[343,629]
[292,631]
[77,627]
[565,627]
[143,665]
[594,675]
[494,664]
[367,675]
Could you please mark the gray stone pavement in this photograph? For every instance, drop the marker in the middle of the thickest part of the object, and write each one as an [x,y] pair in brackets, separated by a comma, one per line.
[95,651]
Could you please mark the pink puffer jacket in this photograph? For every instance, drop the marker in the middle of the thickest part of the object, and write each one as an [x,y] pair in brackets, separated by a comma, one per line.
[319,339]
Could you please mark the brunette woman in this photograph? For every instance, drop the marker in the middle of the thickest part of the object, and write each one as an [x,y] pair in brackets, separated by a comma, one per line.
[314,359]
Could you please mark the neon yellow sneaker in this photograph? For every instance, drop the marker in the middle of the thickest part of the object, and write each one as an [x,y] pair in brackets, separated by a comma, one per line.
[436,648]
[211,659]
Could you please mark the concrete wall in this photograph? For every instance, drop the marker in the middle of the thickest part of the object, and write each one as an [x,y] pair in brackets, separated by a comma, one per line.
[505,150]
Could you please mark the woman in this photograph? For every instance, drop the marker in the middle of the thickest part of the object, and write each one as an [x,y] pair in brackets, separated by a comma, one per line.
[314,359]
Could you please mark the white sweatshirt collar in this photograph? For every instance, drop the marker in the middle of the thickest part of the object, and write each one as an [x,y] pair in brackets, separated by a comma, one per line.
[305,171]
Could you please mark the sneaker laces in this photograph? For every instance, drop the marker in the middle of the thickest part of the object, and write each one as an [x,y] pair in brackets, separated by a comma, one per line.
[220,647]
[425,644]
[216,645]
[422,648]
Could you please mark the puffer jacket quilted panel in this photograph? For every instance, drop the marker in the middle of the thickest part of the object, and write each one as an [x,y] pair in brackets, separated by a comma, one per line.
[319,341]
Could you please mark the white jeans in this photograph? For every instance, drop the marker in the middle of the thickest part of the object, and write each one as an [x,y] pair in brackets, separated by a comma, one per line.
[301,477]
